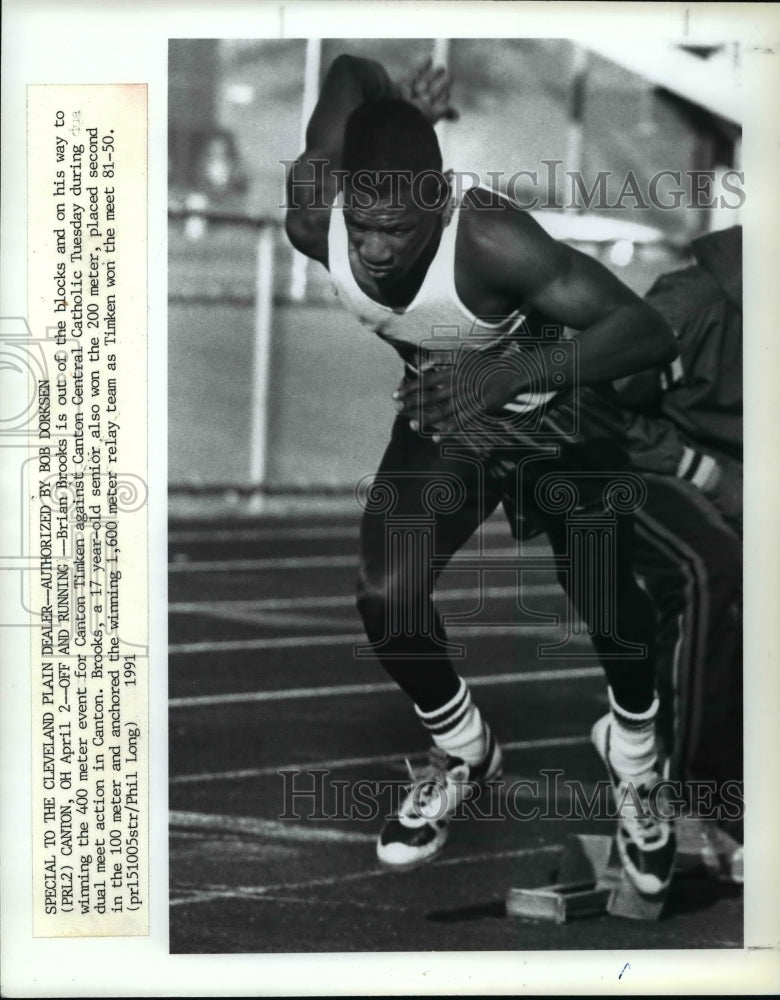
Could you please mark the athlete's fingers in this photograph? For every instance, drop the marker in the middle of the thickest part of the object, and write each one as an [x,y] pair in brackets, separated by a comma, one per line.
[429,89]
[428,76]
[437,395]
[435,382]
[428,402]
[430,416]
[408,399]
[410,383]
[439,86]
[437,76]
[430,366]
[407,390]
[437,404]
[412,376]
[415,407]
[445,428]
[438,419]
[399,395]
[430,381]
[441,418]
[452,430]
[417,82]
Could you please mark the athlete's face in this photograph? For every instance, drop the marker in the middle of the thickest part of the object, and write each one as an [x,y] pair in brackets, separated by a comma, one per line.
[388,236]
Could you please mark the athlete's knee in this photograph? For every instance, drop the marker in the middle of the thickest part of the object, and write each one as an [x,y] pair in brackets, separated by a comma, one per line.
[626,611]
[375,597]
[382,595]
[371,595]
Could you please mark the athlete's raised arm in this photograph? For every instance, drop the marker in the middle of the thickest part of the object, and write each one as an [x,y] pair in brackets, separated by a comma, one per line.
[313,179]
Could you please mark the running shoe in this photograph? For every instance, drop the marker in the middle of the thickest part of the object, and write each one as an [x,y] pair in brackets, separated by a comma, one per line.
[419,830]
[645,836]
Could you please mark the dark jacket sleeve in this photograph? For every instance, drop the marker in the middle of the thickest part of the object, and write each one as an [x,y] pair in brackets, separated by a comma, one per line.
[656,443]
[681,418]
[685,420]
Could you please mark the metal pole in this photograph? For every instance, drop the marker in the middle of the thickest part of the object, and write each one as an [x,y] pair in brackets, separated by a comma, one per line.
[574,136]
[441,52]
[311,86]
[261,356]
[440,56]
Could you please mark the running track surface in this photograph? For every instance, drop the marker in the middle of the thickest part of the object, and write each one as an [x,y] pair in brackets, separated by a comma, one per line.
[263,680]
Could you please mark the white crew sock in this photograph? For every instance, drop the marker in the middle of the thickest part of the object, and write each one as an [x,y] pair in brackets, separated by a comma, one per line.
[458,727]
[632,746]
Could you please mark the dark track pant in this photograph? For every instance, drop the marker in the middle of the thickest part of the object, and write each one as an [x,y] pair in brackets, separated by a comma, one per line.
[691,561]
[425,504]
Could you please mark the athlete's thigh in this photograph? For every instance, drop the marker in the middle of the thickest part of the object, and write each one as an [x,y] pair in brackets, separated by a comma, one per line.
[428,486]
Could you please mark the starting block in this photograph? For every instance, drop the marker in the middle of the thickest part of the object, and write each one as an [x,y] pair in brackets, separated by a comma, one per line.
[590,882]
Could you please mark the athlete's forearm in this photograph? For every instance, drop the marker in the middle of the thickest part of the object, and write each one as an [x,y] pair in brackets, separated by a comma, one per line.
[630,339]
[312,180]
[349,82]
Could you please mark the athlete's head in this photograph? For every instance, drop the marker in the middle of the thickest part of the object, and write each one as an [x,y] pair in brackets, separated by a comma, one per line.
[394,189]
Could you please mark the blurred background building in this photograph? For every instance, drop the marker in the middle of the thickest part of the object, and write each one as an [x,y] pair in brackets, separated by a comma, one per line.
[272,387]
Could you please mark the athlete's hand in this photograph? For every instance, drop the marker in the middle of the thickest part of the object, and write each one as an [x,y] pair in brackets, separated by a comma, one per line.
[429,90]
[426,398]
[439,404]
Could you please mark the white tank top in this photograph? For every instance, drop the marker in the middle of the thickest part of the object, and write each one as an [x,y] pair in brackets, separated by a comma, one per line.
[436,312]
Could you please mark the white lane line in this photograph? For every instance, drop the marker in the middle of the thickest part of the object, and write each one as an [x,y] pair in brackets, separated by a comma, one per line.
[267,829]
[316,562]
[348,600]
[247,565]
[246,615]
[339,763]
[353,904]
[493,527]
[211,893]
[332,903]
[347,690]
[551,632]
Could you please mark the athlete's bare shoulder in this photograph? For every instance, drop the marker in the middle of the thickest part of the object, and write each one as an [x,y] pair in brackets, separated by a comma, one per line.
[503,246]
[504,256]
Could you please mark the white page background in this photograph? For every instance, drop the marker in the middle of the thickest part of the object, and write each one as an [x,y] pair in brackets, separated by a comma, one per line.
[114,41]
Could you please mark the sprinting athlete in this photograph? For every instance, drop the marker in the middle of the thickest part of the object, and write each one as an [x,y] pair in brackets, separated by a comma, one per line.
[369,201]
